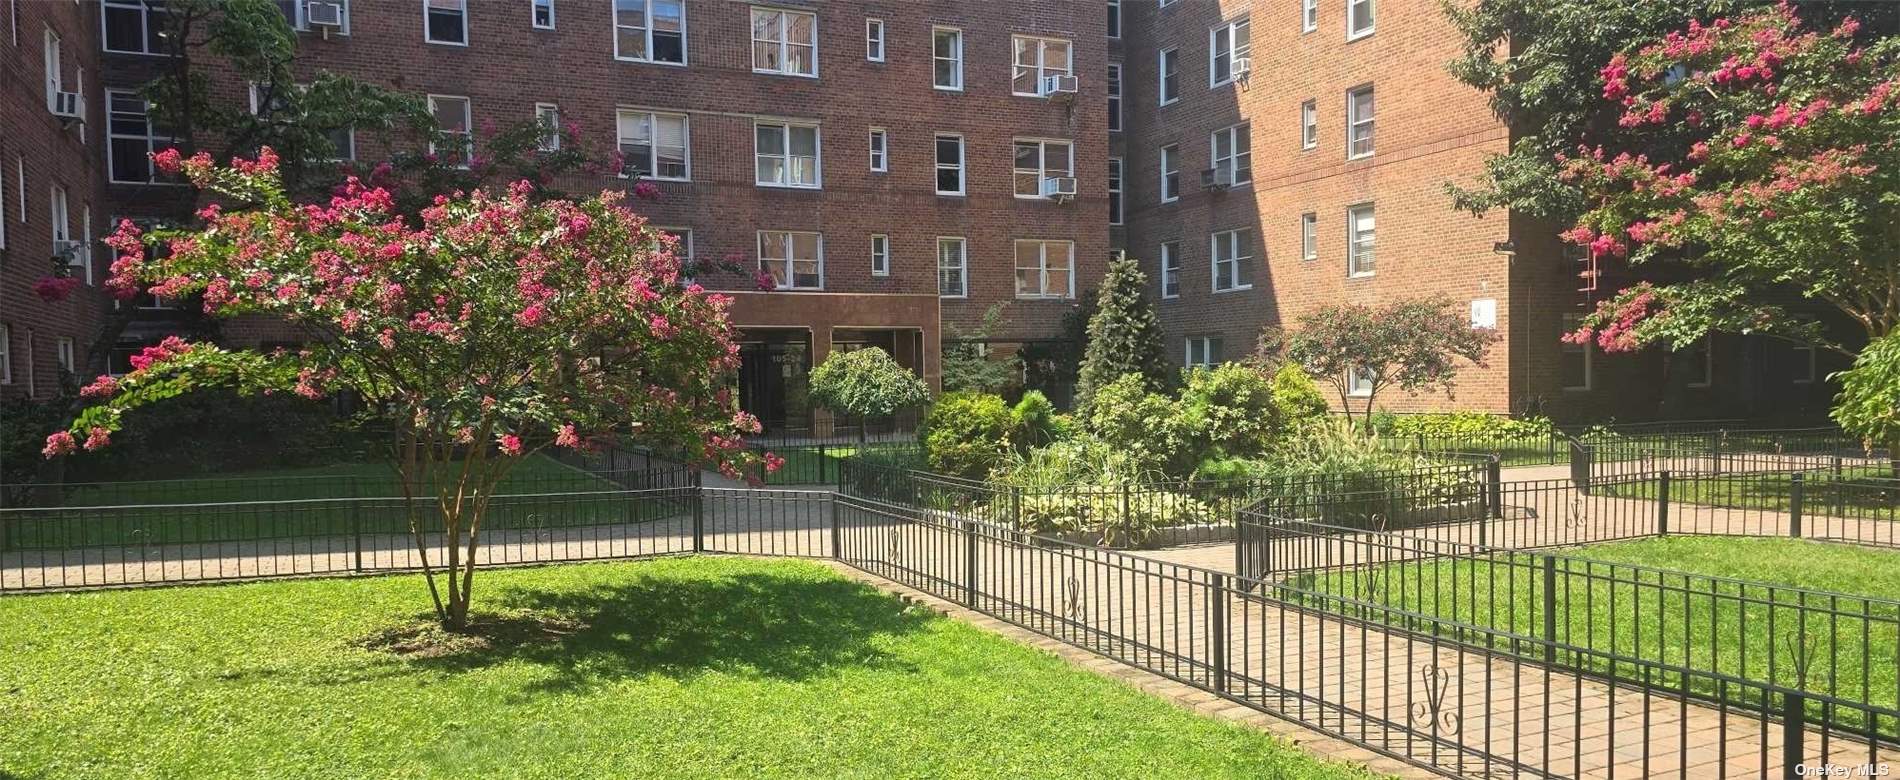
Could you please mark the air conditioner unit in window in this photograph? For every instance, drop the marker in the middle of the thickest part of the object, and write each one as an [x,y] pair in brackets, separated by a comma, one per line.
[1059,187]
[66,105]
[74,253]
[1060,86]
[1242,67]
[318,13]
[1217,178]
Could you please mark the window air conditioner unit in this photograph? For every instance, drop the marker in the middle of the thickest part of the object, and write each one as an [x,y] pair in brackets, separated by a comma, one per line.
[71,252]
[1059,187]
[1242,67]
[318,13]
[1217,178]
[1058,86]
[66,105]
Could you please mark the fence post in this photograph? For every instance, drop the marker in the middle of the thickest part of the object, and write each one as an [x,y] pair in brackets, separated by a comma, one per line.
[1550,439]
[837,533]
[1794,726]
[1421,441]
[1494,487]
[1217,624]
[1550,609]
[969,563]
[1662,504]
[1125,491]
[1795,492]
[356,531]
[699,512]
[1580,457]
[1715,448]
[1015,508]
[824,458]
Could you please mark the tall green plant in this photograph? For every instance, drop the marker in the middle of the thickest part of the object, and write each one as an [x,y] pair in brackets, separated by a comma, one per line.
[866,383]
[1124,336]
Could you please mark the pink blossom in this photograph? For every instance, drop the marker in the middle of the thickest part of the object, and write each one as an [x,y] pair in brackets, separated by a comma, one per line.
[54,289]
[168,160]
[58,444]
[646,190]
[97,437]
[531,316]
[773,462]
[102,387]
[510,444]
[566,437]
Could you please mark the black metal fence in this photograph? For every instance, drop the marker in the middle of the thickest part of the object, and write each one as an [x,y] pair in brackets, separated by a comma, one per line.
[372,481]
[1608,453]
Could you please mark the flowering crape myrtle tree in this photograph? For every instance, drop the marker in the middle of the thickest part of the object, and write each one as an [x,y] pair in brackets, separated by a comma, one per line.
[494,327]
[1769,163]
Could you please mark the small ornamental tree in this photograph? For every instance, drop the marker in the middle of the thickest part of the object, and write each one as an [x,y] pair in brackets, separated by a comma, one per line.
[495,327]
[1413,344]
[866,383]
[1769,166]
[1124,335]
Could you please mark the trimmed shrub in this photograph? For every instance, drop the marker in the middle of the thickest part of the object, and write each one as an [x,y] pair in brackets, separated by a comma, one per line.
[1231,411]
[1297,397]
[966,434]
[1467,425]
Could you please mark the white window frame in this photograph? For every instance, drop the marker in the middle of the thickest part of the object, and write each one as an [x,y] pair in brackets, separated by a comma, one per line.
[1309,236]
[85,227]
[955,58]
[59,214]
[536,5]
[468,125]
[1043,269]
[32,374]
[1041,67]
[962,166]
[790,278]
[652,120]
[785,153]
[685,241]
[1352,12]
[785,44]
[146,14]
[1354,251]
[1116,204]
[19,170]
[1309,125]
[65,355]
[1044,171]
[1588,349]
[1114,97]
[425,23]
[1163,72]
[1238,46]
[873,40]
[1309,16]
[1205,345]
[880,254]
[1231,240]
[1354,121]
[551,114]
[649,34]
[1237,152]
[6,354]
[1170,168]
[54,62]
[1359,382]
[962,267]
[878,150]
[1170,269]
[1808,366]
[1114,19]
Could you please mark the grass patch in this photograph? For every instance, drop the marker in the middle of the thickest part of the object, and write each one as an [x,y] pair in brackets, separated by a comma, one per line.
[1688,617]
[1858,491]
[534,474]
[694,668]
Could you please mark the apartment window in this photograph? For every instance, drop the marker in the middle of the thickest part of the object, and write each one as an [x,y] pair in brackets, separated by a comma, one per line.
[1359,381]
[548,115]
[655,145]
[452,117]
[650,31]
[1037,59]
[784,42]
[1170,269]
[55,79]
[1114,190]
[19,171]
[32,383]
[6,354]
[1232,153]
[1226,44]
[1701,363]
[64,354]
[953,267]
[59,213]
[1114,97]
[1045,269]
[946,54]
[1114,18]
[1170,76]
[682,243]
[787,154]
[1038,160]
[3,212]
[1309,15]
[949,165]
[297,12]
[1804,369]
[880,151]
[1232,252]
[1360,260]
[1358,18]
[133,27]
[874,40]
[1170,174]
[880,254]
[445,21]
[1309,236]
[132,135]
[543,14]
[795,261]
[1359,113]
[1309,124]
[85,247]
[1576,359]
[1203,351]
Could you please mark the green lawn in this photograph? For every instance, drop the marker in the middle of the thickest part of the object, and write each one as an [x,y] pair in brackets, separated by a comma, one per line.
[1860,491]
[680,668]
[1741,629]
[376,479]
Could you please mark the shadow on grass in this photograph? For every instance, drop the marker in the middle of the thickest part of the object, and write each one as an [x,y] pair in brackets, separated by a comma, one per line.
[784,627]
